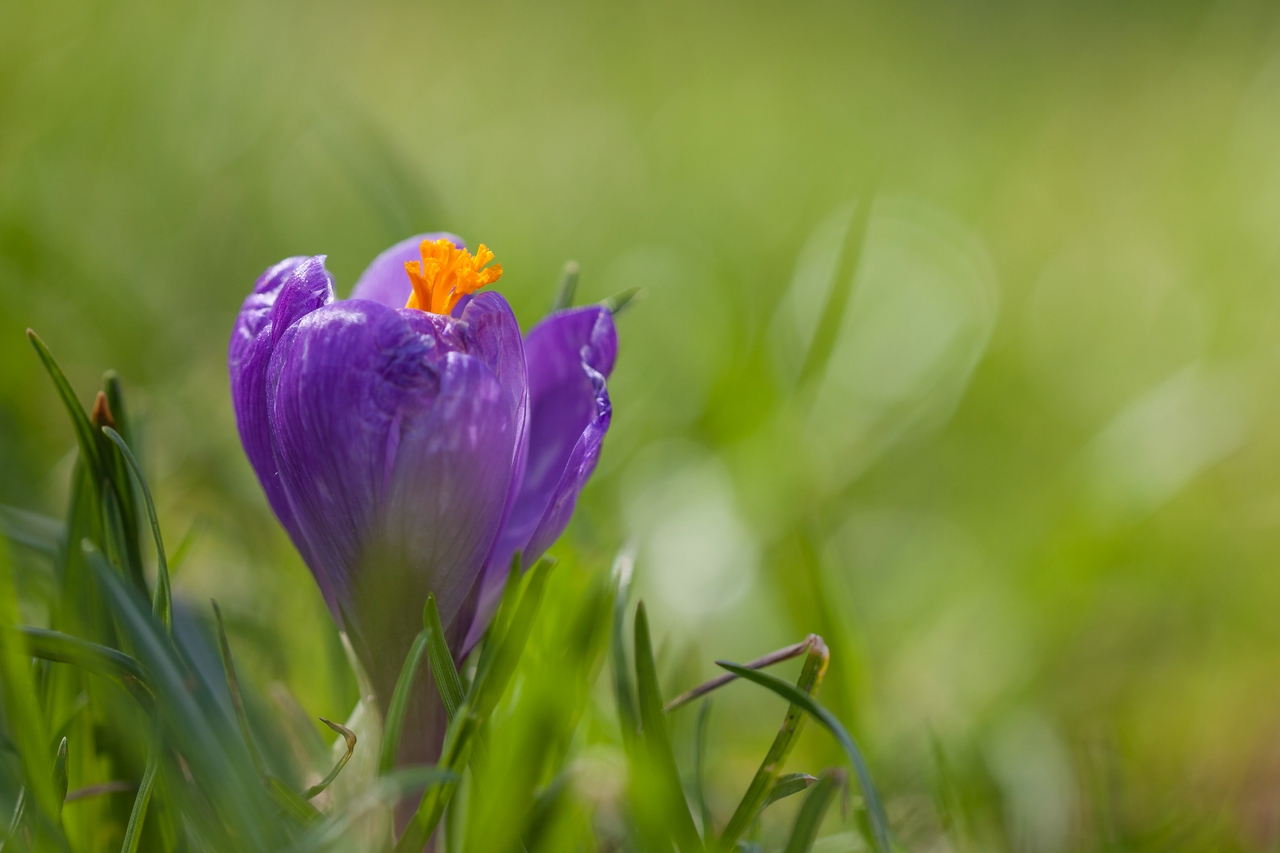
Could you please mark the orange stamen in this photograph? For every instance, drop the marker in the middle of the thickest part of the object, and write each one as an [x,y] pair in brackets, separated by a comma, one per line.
[446,274]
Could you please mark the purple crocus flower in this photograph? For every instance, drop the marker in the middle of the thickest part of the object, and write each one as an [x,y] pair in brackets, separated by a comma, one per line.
[411,441]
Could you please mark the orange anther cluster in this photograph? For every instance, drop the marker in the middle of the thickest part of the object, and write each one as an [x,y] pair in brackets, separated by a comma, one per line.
[446,274]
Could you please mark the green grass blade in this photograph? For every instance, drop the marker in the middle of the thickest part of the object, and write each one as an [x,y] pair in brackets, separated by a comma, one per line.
[787,785]
[568,286]
[661,762]
[621,301]
[27,728]
[498,625]
[162,602]
[233,685]
[796,696]
[291,803]
[350,737]
[441,660]
[623,693]
[810,680]
[138,815]
[32,530]
[699,772]
[60,775]
[399,705]
[805,830]
[458,742]
[509,646]
[829,323]
[91,657]
[85,433]
[191,717]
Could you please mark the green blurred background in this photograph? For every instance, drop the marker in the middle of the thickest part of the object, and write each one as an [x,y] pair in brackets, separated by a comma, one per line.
[1033,502]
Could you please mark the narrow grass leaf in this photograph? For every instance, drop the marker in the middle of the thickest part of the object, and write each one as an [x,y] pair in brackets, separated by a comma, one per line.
[162,601]
[91,657]
[350,737]
[810,680]
[568,286]
[18,692]
[399,704]
[796,696]
[623,693]
[699,772]
[291,803]
[233,685]
[458,742]
[138,815]
[38,532]
[653,728]
[621,301]
[809,820]
[441,659]
[788,784]
[85,433]
[491,684]
[60,775]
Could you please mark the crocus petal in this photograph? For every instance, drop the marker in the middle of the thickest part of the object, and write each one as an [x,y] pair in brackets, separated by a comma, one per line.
[285,292]
[569,355]
[385,280]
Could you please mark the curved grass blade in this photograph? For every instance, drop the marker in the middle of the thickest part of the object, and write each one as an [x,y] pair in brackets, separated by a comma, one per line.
[441,660]
[785,653]
[384,791]
[623,566]
[788,784]
[458,741]
[498,625]
[138,815]
[699,762]
[91,657]
[398,706]
[620,301]
[38,532]
[810,680]
[60,775]
[492,682]
[824,336]
[568,286]
[190,716]
[21,710]
[291,803]
[84,430]
[809,820]
[661,763]
[796,696]
[350,737]
[162,602]
[233,685]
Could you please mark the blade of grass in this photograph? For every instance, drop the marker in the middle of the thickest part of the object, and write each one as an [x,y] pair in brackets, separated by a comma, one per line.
[809,820]
[233,685]
[85,433]
[138,815]
[786,653]
[662,762]
[350,737]
[810,680]
[620,301]
[454,756]
[399,705]
[623,565]
[788,784]
[162,601]
[699,762]
[91,657]
[568,285]
[18,693]
[60,775]
[441,660]
[824,336]
[32,530]
[292,804]
[796,696]
[491,683]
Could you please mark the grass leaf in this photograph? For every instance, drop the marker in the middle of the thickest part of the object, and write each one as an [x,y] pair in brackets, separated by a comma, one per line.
[399,705]
[660,764]
[809,820]
[796,696]
[162,602]
[441,660]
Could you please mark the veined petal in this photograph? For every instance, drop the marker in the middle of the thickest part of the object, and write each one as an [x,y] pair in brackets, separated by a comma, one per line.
[569,355]
[285,292]
[385,280]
